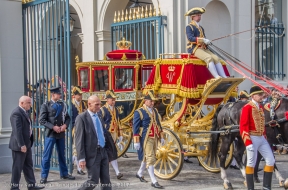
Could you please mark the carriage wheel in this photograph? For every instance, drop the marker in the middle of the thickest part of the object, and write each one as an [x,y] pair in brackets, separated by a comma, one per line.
[127,138]
[169,158]
[205,160]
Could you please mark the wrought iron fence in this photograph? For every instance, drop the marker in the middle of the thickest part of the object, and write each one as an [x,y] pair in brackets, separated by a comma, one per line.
[270,51]
[146,35]
[47,62]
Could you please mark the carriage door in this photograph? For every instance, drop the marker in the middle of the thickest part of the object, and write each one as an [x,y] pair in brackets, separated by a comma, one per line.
[47,62]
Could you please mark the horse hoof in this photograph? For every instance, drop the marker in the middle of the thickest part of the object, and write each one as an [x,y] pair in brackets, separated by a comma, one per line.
[286,184]
[256,180]
[245,183]
[228,185]
[281,183]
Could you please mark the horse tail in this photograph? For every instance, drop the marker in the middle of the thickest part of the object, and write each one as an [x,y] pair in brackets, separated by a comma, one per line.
[214,137]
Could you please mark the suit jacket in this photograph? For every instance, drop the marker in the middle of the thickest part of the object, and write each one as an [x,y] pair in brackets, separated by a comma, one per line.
[86,140]
[20,135]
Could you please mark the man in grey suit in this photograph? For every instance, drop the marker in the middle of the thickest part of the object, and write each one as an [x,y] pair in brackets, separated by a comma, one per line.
[90,143]
[21,141]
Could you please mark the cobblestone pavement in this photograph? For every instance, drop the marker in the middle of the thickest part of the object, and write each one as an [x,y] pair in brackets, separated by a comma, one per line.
[192,177]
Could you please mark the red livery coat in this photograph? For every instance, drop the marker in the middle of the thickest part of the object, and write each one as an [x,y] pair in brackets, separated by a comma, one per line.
[252,122]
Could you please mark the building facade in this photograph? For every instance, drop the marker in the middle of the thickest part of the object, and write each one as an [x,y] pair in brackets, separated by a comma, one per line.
[263,49]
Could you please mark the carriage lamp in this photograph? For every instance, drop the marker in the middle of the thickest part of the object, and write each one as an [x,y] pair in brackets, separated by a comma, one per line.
[71,22]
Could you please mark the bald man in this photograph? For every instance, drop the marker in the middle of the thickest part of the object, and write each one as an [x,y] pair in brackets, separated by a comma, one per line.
[21,141]
[90,145]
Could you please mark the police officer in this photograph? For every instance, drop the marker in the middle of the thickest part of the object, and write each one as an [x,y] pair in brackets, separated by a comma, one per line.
[112,124]
[147,132]
[197,43]
[78,106]
[54,117]
[253,133]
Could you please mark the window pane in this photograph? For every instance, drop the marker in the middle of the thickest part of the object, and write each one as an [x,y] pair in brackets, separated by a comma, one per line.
[101,80]
[124,78]
[84,78]
[145,75]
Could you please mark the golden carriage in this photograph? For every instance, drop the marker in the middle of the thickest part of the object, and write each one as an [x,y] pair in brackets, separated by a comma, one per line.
[184,87]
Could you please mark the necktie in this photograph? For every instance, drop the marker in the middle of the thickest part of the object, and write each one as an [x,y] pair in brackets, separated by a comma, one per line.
[100,134]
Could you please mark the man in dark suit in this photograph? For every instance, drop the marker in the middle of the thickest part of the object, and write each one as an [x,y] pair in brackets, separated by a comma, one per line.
[21,141]
[90,146]
[55,119]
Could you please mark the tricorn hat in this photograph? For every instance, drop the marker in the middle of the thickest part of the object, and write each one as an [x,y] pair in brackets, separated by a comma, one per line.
[243,94]
[150,96]
[55,90]
[255,90]
[195,10]
[110,94]
[76,90]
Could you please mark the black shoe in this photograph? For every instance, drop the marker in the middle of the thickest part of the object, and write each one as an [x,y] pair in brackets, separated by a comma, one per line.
[234,167]
[125,156]
[188,161]
[80,172]
[43,180]
[156,185]
[141,178]
[70,177]
[119,176]
[35,187]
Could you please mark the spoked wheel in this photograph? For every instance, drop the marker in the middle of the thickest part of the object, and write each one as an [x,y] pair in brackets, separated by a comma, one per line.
[206,162]
[169,158]
[123,146]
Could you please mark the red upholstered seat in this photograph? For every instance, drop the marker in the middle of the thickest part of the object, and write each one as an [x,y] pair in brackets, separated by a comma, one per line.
[185,56]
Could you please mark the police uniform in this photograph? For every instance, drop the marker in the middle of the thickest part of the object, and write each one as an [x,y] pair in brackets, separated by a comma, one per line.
[196,44]
[77,108]
[147,132]
[253,133]
[112,124]
[54,114]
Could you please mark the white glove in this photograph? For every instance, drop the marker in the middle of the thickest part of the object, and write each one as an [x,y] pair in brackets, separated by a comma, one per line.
[137,146]
[250,148]
[162,142]
[120,139]
[206,41]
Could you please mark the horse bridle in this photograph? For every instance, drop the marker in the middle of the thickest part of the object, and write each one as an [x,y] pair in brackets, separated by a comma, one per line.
[275,123]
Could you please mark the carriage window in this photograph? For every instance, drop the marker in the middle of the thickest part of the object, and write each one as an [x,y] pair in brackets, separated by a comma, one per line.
[145,74]
[84,82]
[124,78]
[101,79]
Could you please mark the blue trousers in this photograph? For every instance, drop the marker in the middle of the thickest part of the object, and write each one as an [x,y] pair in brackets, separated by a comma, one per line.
[48,148]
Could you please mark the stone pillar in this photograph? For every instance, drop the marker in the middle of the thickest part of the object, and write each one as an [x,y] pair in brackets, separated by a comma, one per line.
[88,28]
[11,68]
[104,43]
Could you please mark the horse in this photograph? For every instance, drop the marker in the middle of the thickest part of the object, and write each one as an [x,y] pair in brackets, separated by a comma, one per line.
[229,115]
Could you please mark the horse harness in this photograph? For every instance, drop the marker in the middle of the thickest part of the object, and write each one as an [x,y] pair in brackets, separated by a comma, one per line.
[272,107]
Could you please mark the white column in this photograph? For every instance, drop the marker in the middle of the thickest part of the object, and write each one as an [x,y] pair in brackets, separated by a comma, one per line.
[12,75]
[104,43]
[89,25]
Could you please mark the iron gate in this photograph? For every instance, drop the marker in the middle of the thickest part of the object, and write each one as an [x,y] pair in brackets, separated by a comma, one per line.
[146,35]
[47,62]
